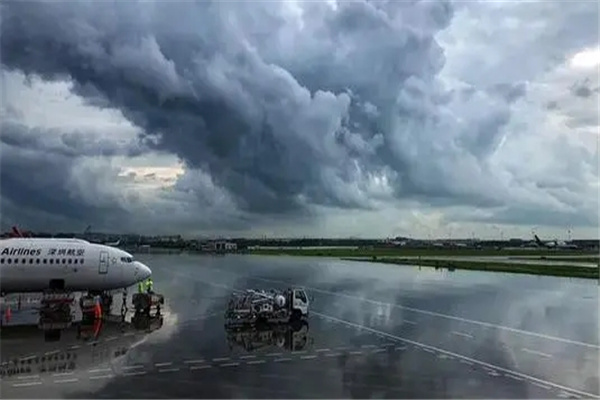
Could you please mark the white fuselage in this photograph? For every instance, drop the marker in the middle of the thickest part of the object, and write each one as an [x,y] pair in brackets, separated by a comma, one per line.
[36,264]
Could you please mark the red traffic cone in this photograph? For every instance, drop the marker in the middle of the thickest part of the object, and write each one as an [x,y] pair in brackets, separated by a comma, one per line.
[7,314]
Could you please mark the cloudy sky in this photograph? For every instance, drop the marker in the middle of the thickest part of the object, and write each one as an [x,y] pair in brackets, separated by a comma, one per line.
[321,118]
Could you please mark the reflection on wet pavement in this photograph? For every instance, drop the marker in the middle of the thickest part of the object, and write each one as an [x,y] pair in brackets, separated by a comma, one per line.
[373,331]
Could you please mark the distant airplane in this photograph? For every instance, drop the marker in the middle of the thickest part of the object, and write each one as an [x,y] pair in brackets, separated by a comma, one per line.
[69,265]
[554,244]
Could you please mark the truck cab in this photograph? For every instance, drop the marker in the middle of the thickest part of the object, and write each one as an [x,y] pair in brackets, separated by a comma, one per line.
[299,302]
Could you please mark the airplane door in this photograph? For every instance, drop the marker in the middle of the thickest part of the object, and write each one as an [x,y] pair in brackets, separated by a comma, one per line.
[103,265]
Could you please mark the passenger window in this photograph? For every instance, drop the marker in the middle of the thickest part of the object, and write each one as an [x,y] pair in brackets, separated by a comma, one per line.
[1,260]
[70,261]
[64,260]
[51,261]
[8,260]
[37,260]
[31,261]
[44,261]
[24,261]
[81,261]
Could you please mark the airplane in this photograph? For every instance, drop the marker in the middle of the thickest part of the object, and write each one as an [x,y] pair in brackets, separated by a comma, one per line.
[26,352]
[68,265]
[554,244]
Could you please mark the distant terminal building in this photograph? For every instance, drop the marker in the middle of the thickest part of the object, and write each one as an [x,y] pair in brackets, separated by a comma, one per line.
[220,246]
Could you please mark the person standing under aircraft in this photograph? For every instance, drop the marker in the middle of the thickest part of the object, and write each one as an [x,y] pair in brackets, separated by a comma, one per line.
[149,284]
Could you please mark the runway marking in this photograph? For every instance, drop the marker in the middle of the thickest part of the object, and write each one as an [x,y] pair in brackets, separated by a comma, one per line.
[27,384]
[462,334]
[408,322]
[333,355]
[221,359]
[300,352]
[194,367]
[232,364]
[273,354]
[378,351]
[308,357]
[511,376]
[283,359]
[66,380]
[437,314]
[564,395]
[356,352]
[163,364]
[169,369]
[368,346]
[135,373]
[482,363]
[539,353]
[541,385]
[63,374]
[102,376]
[49,353]
[74,347]
[246,357]
[400,348]
[137,366]
[492,372]
[256,362]
[109,339]
[342,348]
[194,361]
[322,350]
[91,371]
[28,377]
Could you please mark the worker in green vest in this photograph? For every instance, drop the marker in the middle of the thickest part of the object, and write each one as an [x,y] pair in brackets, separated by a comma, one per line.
[141,287]
[149,284]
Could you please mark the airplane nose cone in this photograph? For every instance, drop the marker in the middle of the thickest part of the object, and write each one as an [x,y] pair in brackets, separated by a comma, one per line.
[144,271]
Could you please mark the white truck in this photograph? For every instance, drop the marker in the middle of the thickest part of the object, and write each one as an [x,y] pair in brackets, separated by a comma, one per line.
[260,337]
[273,306]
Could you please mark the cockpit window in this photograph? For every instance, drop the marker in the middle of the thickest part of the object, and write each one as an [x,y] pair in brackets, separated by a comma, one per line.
[127,259]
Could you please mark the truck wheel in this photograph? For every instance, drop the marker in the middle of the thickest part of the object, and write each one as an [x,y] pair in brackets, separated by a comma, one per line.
[296,315]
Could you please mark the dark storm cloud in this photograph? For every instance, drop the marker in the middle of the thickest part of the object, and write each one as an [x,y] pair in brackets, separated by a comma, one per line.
[510,92]
[280,117]
[67,144]
[183,71]
[35,177]
[583,89]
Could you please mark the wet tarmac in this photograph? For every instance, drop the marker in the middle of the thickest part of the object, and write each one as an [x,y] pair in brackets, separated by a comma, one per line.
[374,331]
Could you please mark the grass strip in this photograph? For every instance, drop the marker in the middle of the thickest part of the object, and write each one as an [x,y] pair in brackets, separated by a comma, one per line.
[410,252]
[591,260]
[548,270]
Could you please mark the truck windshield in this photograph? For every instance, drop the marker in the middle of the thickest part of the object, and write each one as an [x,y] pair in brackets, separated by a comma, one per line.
[300,295]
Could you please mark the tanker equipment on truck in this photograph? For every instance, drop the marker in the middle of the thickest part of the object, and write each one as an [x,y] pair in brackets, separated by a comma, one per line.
[252,306]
